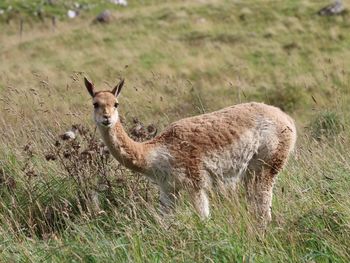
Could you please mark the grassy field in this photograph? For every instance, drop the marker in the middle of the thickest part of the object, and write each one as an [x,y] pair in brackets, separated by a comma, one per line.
[179,58]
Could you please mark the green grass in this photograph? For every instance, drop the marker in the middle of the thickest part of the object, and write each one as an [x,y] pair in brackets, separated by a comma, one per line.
[41,9]
[179,58]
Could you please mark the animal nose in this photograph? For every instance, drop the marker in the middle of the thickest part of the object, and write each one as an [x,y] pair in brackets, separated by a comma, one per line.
[105,116]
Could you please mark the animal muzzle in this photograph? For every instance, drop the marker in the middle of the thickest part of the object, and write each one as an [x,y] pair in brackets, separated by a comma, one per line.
[106,120]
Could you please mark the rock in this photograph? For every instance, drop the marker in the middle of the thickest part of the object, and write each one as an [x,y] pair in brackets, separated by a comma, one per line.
[72,13]
[119,2]
[104,17]
[335,8]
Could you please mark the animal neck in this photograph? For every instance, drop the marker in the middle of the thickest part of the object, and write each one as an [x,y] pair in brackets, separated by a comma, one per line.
[129,153]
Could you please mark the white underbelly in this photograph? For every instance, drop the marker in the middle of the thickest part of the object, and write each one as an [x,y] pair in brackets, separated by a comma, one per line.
[231,162]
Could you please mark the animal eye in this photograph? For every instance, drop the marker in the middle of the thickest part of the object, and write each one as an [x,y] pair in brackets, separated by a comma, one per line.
[116,105]
[95,105]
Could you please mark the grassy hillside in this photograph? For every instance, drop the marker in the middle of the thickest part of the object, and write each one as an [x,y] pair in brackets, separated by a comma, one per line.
[179,58]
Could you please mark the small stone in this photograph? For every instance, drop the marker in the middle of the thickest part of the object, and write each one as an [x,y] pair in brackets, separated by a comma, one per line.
[335,8]
[72,14]
[104,17]
[119,2]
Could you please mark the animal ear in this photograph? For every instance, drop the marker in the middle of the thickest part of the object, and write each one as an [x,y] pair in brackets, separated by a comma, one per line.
[90,87]
[118,88]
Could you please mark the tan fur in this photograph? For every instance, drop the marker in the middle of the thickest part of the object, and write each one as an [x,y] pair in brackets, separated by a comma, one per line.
[248,141]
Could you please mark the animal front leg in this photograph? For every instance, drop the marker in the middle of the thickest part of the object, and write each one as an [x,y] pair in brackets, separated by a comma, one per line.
[200,202]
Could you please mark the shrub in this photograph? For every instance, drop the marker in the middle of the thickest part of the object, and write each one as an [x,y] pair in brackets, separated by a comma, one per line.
[80,179]
[288,98]
[326,124]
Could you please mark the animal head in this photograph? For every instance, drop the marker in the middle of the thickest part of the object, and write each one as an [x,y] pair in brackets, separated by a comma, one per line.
[105,104]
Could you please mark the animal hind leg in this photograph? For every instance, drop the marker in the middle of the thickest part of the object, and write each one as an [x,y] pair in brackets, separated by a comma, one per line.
[266,181]
[259,188]
[263,191]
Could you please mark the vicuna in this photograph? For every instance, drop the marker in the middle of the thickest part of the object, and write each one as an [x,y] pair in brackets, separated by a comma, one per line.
[249,142]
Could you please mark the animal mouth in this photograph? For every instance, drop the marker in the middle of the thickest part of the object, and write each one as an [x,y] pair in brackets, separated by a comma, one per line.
[106,123]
